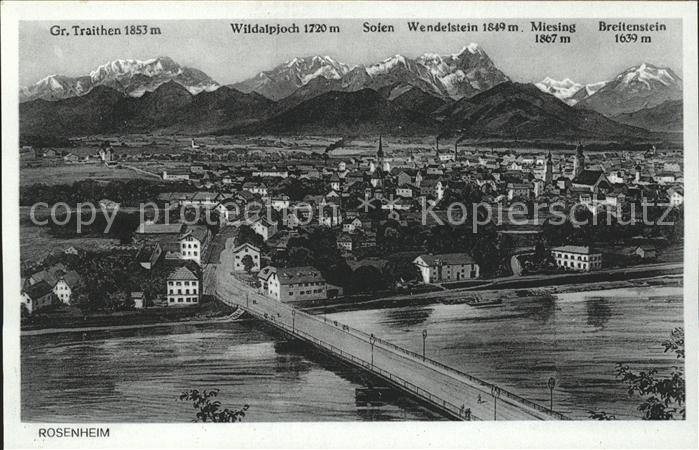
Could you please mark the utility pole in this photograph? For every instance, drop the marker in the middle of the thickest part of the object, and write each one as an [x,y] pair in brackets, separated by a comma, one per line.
[551,384]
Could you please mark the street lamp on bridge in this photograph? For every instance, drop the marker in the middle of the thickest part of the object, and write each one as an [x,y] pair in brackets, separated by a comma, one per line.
[424,338]
[495,392]
[293,321]
[551,384]
[372,341]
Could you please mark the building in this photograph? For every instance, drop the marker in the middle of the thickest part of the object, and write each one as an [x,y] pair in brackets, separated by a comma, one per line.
[676,197]
[645,252]
[149,255]
[175,174]
[37,296]
[296,283]
[66,286]
[345,242]
[255,188]
[446,267]
[239,254]
[138,300]
[206,200]
[263,277]
[351,225]
[591,180]
[193,243]
[264,228]
[518,191]
[182,288]
[577,258]
[165,234]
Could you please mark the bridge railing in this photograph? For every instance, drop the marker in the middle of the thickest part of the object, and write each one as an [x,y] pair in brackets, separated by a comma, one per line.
[455,410]
[487,387]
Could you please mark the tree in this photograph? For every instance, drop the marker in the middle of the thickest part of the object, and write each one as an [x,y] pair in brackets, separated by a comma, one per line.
[662,398]
[300,256]
[248,263]
[209,410]
[247,235]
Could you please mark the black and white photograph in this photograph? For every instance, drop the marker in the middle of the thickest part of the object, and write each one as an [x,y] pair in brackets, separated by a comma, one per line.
[283,219]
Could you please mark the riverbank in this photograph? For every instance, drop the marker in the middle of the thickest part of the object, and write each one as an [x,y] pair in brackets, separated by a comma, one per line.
[486,294]
[71,319]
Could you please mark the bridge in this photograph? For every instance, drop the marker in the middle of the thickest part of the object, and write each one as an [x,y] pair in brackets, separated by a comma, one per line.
[454,393]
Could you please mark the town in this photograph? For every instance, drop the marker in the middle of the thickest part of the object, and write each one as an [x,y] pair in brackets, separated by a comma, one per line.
[313,225]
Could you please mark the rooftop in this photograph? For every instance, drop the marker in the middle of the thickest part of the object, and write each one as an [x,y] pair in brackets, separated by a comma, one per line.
[578,249]
[447,258]
[295,275]
[182,273]
[160,228]
[38,290]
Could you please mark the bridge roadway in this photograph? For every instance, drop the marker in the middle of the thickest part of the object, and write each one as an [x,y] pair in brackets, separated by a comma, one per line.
[449,390]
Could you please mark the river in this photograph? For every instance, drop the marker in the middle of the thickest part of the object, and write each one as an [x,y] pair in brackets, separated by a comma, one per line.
[136,375]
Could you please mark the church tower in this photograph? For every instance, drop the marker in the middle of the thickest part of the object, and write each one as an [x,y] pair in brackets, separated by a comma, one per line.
[548,169]
[379,154]
[578,161]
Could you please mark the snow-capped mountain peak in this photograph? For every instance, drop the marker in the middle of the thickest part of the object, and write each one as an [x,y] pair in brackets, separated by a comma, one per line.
[129,76]
[471,48]
[647,74]
[563,90]
[639,87]
[290,75]
[456,75]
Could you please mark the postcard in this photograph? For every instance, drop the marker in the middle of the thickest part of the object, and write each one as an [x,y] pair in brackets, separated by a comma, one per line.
[349,224]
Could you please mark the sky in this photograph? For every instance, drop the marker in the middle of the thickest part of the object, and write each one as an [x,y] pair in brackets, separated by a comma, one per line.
[227,57]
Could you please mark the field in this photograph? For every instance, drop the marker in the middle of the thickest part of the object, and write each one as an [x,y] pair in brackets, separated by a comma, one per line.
[35,243]
[70,173]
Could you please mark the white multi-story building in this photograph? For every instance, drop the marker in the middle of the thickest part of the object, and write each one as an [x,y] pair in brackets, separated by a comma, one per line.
[65,286]
[446,267]
[295,283]
[578,258]
[239,254]
[194,242]
[182,288]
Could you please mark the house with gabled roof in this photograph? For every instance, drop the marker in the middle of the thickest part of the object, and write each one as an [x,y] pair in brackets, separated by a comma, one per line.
[296,283]
[446,267]
[67,285]
[241,252]
[591,180]
[182,288]
[264,228]
[194,242]
[37,296]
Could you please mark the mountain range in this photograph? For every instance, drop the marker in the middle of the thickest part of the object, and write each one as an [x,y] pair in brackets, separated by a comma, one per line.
[462,74]
[462,92]
[636,88]
[129,76]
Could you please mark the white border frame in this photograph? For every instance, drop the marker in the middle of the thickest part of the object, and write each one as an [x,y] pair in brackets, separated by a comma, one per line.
[579,434]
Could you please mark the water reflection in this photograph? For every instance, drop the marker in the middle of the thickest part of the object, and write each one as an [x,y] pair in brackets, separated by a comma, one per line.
[402,318]
[598,311]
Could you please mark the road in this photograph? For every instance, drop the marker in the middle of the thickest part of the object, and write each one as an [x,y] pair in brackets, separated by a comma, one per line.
[434,383]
